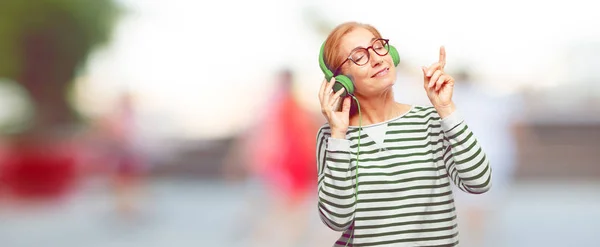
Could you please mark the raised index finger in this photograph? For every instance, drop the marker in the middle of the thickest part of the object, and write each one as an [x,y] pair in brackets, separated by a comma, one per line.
[442,57]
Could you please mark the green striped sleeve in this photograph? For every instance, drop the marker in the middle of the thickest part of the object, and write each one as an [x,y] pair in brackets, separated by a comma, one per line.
[336,181]
[466,162]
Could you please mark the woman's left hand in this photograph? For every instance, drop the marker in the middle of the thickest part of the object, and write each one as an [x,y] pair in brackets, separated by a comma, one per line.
[439,86]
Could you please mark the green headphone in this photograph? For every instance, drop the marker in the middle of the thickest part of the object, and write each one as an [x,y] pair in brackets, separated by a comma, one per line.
[343,80]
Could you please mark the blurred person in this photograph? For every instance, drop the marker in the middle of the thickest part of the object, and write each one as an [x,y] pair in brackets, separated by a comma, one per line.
[386,169]
[118,133]
[496,132]
[278,152]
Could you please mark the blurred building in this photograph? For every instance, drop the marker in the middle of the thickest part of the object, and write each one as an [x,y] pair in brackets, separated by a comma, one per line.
[561,138]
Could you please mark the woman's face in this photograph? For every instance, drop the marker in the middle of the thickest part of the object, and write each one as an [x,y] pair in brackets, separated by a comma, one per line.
[374,73]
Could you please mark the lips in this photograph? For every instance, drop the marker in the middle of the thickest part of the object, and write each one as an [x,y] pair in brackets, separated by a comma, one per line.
[380,73]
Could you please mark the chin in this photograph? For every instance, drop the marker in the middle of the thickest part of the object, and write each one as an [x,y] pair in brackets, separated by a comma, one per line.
[387,81]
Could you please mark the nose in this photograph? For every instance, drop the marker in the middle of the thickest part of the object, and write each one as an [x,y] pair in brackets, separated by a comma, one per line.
[374,57]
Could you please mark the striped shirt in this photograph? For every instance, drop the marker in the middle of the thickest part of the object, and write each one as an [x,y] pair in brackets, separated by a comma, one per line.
[404,183]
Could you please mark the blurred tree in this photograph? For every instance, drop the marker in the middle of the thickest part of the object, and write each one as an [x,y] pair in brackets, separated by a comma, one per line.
[43,44]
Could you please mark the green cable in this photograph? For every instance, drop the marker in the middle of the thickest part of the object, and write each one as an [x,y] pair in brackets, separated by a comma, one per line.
[356,173]
[358,148]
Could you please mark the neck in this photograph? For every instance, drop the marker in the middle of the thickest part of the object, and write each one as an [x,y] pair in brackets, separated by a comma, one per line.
[376,109]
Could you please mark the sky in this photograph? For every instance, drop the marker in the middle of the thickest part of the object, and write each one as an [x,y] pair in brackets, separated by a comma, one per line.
[204,69]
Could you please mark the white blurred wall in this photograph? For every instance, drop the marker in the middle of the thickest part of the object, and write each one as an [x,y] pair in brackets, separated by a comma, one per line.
[202,69]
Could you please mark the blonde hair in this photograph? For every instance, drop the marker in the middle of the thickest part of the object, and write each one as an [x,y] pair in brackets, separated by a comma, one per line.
[332,54]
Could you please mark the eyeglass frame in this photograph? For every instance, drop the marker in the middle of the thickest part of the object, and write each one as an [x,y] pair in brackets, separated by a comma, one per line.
[386,44]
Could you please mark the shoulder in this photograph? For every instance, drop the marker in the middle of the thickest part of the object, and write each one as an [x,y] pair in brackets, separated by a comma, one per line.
[423,111]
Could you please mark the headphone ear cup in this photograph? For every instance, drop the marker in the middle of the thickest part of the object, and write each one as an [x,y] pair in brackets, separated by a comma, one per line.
[342,81]
[395,56]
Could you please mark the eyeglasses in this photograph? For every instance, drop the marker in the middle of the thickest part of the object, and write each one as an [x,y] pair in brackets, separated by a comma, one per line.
[361,56]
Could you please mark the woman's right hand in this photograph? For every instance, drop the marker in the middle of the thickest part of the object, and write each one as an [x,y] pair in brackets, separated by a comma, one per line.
[338,120]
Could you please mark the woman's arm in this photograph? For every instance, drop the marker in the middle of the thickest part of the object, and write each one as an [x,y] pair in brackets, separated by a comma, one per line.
[336,186]
[466,162]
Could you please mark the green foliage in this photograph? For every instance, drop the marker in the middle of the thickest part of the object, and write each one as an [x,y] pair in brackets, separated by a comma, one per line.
[76,28]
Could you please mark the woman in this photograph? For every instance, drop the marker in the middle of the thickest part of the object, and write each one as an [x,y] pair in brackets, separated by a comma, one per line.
[399,193]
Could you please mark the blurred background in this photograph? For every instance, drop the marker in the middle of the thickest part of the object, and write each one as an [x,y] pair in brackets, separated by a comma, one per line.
[166,123]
